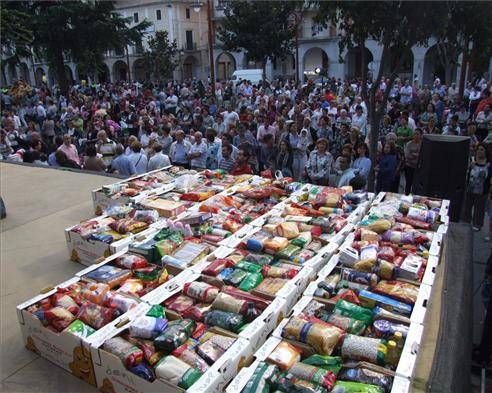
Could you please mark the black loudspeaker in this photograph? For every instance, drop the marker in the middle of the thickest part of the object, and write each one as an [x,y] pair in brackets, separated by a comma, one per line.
[442,169]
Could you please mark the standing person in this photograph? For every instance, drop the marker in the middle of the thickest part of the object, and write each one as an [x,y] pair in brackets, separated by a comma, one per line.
[267,153]
[283,159]
[400,161]
[164,139]
[406,93]
[158,160]
[64,161]
[48,130]
[320,163]
[92,162]
[226,162]
[299,146]
[241,166]
[121,164]
[359,120]
[403,132]
[138,158]
[477,190]
[362,163]
[230,117]
[431,127]
[178,152]
[412,151]
[484,123]
[387,168]
[198,153]
[213,146]
[69,149]
[106,147]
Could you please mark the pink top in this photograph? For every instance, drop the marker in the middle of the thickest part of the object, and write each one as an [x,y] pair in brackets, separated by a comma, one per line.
[71,152]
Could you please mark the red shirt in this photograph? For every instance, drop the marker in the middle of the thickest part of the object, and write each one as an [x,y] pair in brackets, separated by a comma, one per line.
[241,170]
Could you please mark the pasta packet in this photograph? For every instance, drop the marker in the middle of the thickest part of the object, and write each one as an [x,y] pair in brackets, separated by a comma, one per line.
[128,353]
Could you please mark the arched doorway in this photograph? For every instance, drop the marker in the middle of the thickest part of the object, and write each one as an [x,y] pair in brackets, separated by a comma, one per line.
[38,76]
[314,58]
[353,62]
[226,65]
[24,73]
[120,71]
[190,67]
[437,66]
[405,69]
[139,72]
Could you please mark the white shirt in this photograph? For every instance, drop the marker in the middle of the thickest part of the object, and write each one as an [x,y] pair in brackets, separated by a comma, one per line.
[140,162]
[230,118]
[201,161]
[157,161]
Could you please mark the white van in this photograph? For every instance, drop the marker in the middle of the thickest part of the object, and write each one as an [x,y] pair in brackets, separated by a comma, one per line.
[255,76]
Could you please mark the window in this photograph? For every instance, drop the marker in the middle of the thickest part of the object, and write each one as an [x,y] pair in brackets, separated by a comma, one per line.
[158,14]
[187,13]
[135,17]
[189,39]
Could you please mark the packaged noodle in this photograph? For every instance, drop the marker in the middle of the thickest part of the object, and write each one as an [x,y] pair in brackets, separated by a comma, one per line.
[79,329]
[321,337]
[284,356]
[278,272]
[96,316]
[402,291]
[251,281]
[177,372]
[350,325]
[120,301]
[128,353]
[147,327]
[131,286]
[190,357]
[355,387]
[143,371]
[364,348]
[260,380]
[225,302]
[271,286]
[351,310]
[313,374]
[330,363]
[66,302]
[287,229]
[367,376]
[259,302]
[151,355]
[197,312]
[225,320]
[132,261]
[201,291]
[179,303]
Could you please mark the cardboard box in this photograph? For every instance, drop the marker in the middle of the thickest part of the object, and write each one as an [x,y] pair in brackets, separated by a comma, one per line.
[320,260]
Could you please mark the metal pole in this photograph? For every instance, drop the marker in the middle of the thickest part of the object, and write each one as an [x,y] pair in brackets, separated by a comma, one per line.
[210,46]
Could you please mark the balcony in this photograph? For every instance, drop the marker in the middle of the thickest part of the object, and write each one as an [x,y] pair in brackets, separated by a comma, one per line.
[190,47]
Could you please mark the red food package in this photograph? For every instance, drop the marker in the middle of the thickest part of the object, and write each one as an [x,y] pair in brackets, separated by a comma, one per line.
[307,211]
[398,260]
[196,312]
[65,301]
[45,304]
[209,209]
[59,318]
[278,272]
[348,295]
[386,253]
[200,329]
[357,234]
[231,226]
[214,239]
[132,261]
[96,316]
[179,303]
[316,231]
[414,223]
[338,223]
[217,266]
[260,303]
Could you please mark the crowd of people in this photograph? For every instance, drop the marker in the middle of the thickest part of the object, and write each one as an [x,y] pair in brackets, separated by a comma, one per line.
[310,132]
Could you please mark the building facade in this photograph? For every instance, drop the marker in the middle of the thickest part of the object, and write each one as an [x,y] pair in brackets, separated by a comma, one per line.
[186,22]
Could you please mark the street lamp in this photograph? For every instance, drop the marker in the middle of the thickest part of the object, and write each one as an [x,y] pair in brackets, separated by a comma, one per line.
[197,5]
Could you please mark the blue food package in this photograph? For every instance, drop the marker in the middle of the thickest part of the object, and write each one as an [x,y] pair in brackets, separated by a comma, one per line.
[108,273]
[143,371]
[370,299]
[101,237]
[225,273]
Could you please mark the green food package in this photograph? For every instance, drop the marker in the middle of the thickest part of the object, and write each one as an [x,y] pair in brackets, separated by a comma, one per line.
[258,259]
[80,329]
[302,240]
[329,363]
[288,252]
[236,277]
[156,311]
[177,371]
[356,387]
[225,320]
[259,381]
[351,310]
[251,281]
[165,247]
[350,325]
[248,266]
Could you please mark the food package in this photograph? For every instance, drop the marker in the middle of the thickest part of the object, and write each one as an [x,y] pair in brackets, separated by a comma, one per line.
[79,329]
[189,252]
[278,272]
[313,374]
[258,259]
[179,303]
[385,270]
[127,225]
[355,387]
[131,261]
[177,372]
[362,348]
[287,229]
[290,383]
[259,302]
[217,266]
[151,355]
[201,291]
[120,301]
[413,223]
[330,363]
[302,240]
[143,371]
[228,303]
[363,278]
[379,226]
[59,318]
[197,312]
[399,290]
[225,274]
[110,275]
[364,265]
[131,286]
[381,313]
[323,338]
[190,357]
[128,353]
[347,294]
[412,267]
[236,277]
[147,216]
[251,281]
[354,311]
[273,246]
[328,200]
[149,273]
[248,266]
[288,252]
[260,380]
[225,320]
[371,299]
[350,325]
[66,302]
[95,315]
[386,253]
[147,327]
[367,376]
[428,216]
[271,286]
[368,235]
[174,336]
[386,329]
[284,356]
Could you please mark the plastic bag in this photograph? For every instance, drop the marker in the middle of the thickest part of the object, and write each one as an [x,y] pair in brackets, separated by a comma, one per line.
[59,318]
[151,355]
[201,291]
[402,291]
[80,329]
[248,266]
[288,252]
[330,363]
[367,376]
[143,371]
[177,372]
[66,302]
[260,380]
[354,311]
[313,374]
[350,325]
[174,336]
[386,253]
[273,246]
[179,303]
[251,281]
[217,266]
[197,312]
[236,277]
[302,240]
[289,230]
[96,316]
[128,353]
[228,303]
[355,387]
[284,356]
[131,286]
[147,327]
[190,357]
[225,320]
[322,338]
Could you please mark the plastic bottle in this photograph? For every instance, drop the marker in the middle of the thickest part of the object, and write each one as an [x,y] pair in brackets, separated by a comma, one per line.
[392,355]
[398,338]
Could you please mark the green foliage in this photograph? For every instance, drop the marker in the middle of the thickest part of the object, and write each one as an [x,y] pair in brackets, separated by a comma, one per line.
[15,32]
[260,28]
[160,60]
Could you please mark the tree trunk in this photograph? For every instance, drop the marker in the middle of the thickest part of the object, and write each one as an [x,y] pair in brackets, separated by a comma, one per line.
[464,64]
[363,70]
[59,67]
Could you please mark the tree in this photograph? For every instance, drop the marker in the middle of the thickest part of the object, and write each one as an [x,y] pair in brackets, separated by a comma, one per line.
[396,26]
[160,59]
[82,30]
[260,28]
